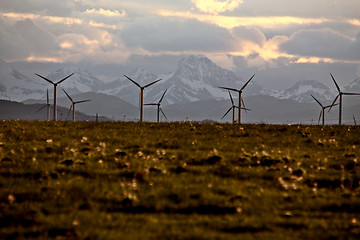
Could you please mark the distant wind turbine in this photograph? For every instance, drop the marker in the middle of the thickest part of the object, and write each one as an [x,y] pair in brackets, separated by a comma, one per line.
[55,85]
[46,105]
[158,107]
[233,106]
[340,95]
[142,94]
[354,120]
[73,103]
[322,112]
[240,98]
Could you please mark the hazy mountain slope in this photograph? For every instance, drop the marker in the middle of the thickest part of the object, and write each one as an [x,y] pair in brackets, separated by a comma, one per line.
[16,110]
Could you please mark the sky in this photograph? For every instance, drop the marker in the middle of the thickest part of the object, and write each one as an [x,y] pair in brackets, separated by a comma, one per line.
[282,41]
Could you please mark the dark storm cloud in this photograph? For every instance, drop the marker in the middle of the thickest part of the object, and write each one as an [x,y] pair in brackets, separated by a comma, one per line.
[24,39]
[54,8]
[39,41]
[324,43]
[249,34]
[303,8]
[280,74]
[12,45]
[344,27]
[174,34]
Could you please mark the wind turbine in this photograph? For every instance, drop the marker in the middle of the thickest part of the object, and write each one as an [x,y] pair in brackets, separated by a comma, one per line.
[354,119]
[46,105]
[158,107]
[322,112]
[340,95]
[73,103]
[142,94]
[240,98]
[55,85]
[233,106]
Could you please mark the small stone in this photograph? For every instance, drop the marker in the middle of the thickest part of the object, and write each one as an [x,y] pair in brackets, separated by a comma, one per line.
[213,159]
[67,162]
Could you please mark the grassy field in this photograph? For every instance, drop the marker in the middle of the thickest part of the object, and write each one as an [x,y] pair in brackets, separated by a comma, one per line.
[112,180]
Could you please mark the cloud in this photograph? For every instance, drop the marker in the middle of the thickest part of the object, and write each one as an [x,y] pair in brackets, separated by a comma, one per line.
[24,39]
[230,22]
[175,34]
[45,7]
[40,41]
[281,74]
[250,34]
[217,6]
[325,43]
[106,12]
[329,9]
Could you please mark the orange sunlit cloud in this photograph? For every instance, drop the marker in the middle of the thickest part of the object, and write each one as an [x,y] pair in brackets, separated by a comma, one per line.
[269,50]
[42,59]
[52,19]
[231,22]
[106,12]
[216,6]
[66,45]
[354,22]
[314,60]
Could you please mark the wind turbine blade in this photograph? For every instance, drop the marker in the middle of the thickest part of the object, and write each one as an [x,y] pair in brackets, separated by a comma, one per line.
[320,116]
[246,109]
[247,82]
[68,96]
[231,89]
[352,94]
[331,105]
[232,100]
[334,102]
[337,86]
[47,96]
[162,96]
[69,111]
[243,104]
[41,108]
[163,113]
[64,78]
[82,101]
[150,104]
[354,120]
[226,113]
[151,83]
[133,81]
[45,79]
[317,101]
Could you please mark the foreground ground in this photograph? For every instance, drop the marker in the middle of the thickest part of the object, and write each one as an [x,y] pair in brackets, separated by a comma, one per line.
[93,180]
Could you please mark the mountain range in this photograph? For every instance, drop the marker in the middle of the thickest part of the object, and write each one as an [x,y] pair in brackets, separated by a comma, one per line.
[190,88]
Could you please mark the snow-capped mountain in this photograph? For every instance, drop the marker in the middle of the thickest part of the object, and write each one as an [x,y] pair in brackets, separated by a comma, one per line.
[81,81]
[198,78]
[195,78]
[353,86]
[128,91]
[302,91]
[16,86]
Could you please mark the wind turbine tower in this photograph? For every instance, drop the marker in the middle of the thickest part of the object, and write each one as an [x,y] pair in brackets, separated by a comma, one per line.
[73,103]
[142,94]
[158,107]
[233,106]
[240,98]
[340,95]
[55,85]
